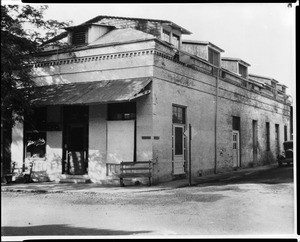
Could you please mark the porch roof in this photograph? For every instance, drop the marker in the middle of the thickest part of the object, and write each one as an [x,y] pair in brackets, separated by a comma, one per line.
[106,91]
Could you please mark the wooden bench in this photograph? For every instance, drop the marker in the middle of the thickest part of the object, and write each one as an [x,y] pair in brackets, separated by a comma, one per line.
[129,169]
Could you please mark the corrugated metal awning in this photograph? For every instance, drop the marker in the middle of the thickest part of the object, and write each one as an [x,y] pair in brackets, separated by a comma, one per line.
[107,91]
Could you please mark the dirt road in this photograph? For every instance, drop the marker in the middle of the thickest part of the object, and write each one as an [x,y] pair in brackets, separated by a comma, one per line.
[260,203]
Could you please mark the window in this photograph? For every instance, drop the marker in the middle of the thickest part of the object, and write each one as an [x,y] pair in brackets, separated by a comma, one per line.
[285,133]
[235,123]
[243,70]
[175,40]
[121,111]
[178,115]
[35,144]
[273,84]
[79,36]
[213,57]
[283,89]
[166,36]
[267,136]
[35,133]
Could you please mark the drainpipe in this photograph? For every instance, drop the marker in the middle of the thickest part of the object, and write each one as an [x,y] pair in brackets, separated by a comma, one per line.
[216,117]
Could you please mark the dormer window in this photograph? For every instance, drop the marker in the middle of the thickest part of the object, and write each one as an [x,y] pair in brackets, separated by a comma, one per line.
[273,84]
[79,36]
[243,70]
[175,40]
[213,57]
[166,36]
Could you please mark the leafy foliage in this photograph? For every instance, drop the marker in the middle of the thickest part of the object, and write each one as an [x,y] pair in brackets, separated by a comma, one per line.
[23,31]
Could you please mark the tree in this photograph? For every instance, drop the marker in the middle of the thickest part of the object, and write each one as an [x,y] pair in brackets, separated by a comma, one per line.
[23,31]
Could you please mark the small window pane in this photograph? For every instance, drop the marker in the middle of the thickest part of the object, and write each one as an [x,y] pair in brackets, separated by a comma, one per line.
[178,115]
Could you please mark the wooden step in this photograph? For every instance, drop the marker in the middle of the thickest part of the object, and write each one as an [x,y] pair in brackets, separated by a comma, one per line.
[75,180]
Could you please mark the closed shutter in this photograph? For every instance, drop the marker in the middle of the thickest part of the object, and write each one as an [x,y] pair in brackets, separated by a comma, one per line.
[79,36]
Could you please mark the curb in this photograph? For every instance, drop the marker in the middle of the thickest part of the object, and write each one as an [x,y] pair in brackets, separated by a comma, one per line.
[209,179]
[24,190]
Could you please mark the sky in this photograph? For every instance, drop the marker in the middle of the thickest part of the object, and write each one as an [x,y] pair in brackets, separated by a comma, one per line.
[262,34]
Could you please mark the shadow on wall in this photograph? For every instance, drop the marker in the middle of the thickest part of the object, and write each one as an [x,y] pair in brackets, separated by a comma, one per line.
[45,77]
[267,158]
[97,166]
[47,170]
[54,166]
[61,229]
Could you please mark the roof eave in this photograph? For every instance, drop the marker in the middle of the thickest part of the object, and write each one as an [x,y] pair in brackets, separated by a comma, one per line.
[235,59]
[203,43]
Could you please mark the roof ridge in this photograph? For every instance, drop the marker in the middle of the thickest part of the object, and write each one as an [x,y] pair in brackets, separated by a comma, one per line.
[99,17]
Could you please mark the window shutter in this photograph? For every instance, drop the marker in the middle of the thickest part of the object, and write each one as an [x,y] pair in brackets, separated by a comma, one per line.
[79,36]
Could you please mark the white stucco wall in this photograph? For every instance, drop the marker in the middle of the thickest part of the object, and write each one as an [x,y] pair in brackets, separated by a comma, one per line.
[54,154]
[17,145]
[97,142]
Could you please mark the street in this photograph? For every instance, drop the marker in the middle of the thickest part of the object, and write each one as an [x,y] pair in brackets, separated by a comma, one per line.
[259,203]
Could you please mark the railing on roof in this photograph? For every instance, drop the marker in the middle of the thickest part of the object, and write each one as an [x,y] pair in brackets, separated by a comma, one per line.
[234,79]
[281,97]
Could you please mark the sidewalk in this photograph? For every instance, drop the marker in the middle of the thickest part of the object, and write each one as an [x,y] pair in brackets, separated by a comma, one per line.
[55,187]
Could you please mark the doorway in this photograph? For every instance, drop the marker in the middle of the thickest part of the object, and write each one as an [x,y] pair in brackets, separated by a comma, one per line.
[277,140]
[236,148]
[178,139]
[254,140]
[75,140]
[178,149]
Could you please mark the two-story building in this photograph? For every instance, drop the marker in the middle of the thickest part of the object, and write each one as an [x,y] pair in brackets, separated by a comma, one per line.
[127,89]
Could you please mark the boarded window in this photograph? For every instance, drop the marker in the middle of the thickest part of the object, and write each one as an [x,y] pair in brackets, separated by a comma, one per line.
[178,115]
[79,36]
[243,70]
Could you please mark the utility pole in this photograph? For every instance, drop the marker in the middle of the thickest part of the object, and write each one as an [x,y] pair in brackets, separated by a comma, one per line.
[190,158]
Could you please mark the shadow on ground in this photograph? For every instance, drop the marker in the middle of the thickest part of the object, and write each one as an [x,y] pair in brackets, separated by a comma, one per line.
[276,175]
[62,187]
[61,229]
